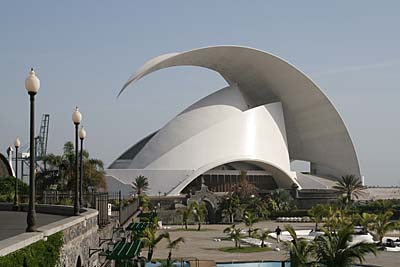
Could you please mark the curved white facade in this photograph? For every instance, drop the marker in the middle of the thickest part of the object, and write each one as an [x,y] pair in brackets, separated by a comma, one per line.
[269,115]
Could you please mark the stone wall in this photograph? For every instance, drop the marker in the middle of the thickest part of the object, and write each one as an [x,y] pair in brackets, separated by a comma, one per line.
[77,241]
[81,237]
[80,233]
[167,202]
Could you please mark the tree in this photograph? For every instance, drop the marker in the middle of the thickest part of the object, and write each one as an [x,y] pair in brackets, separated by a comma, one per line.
[249,219]
[244,189]
[257,206]
[350,186]
[263,235]
[185,213]
[333,249]
[7,188]
[280,199]
[199,211]
[172,244]
[367,220]
[382,225]
[337,218]
[140,185]
[151,240]
[235,234]
[230,206]
[61,171]
[318,212]
[301,250]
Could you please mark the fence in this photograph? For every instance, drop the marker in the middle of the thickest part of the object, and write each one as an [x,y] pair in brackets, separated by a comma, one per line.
[125,212]
[94,200]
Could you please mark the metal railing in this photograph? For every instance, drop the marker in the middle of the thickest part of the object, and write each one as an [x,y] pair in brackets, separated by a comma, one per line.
[127,211]
[94,200]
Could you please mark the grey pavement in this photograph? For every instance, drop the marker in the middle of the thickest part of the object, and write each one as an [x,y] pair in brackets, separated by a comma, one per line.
[13,223]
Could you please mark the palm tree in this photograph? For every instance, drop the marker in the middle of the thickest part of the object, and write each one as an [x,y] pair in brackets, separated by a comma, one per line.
[350,186]
[230,206]
[301,250]
[151,240]
[263,235]
[333,249]
[367,220]
[199,211]
[140,185]
[249,219]
[281,200]
[337,218]
[172,244]
[257,206]
[382,225]
[60,171]
[318,212]
[235,234]
[185,212]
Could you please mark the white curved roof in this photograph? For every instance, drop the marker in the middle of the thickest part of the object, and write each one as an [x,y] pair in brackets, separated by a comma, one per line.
[315,132]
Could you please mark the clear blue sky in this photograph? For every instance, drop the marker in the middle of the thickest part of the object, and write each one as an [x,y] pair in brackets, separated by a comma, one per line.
[83,52]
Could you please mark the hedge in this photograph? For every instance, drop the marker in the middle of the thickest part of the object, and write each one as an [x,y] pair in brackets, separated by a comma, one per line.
[39,254]
[289,213]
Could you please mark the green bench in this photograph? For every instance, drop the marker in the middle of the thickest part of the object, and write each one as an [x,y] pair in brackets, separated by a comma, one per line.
[123,250]
[137,226]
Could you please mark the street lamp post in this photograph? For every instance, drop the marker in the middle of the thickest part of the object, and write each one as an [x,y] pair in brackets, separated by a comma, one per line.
[17,144]
[82,136]
[76,119]
[32,85]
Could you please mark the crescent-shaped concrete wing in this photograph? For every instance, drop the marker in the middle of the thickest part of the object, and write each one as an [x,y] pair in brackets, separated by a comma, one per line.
[315,131]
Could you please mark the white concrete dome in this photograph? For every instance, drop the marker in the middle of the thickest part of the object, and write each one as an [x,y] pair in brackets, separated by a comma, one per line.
[269,115]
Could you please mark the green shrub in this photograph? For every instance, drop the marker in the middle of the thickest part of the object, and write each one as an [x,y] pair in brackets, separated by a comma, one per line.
[378,206]
[7,186]
[39,254]
[65,202]
[289,213]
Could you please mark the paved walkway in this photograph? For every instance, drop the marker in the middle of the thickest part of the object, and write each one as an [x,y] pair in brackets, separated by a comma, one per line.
[13,223]
[201,245]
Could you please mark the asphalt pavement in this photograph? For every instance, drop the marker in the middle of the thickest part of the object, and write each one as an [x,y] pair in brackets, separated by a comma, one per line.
[13,223]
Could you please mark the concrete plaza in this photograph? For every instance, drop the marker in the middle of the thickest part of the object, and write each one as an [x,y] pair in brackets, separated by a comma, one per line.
[202,246]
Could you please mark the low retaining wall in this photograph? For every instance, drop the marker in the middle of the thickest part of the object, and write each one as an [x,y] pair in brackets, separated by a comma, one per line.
[79,234]
[42,208]
[78,238]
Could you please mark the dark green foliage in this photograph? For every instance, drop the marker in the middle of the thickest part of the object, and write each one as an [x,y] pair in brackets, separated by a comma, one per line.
[7,187]
[351,187]
[300,250]
[280,199]
[250,219]
[333,249]
[7,184]
[140,185]
[61,171]
[229,207]
[258,206]
[378,206]
[289,213]
[234,234]
[199,212]
[39,254]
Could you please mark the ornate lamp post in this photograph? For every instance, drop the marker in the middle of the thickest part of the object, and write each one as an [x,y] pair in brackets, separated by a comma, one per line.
[17,144]
[82,136]
[32,85]
[76,119]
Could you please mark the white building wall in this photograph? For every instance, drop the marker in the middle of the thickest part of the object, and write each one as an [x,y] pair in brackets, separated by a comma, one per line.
[256,135]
